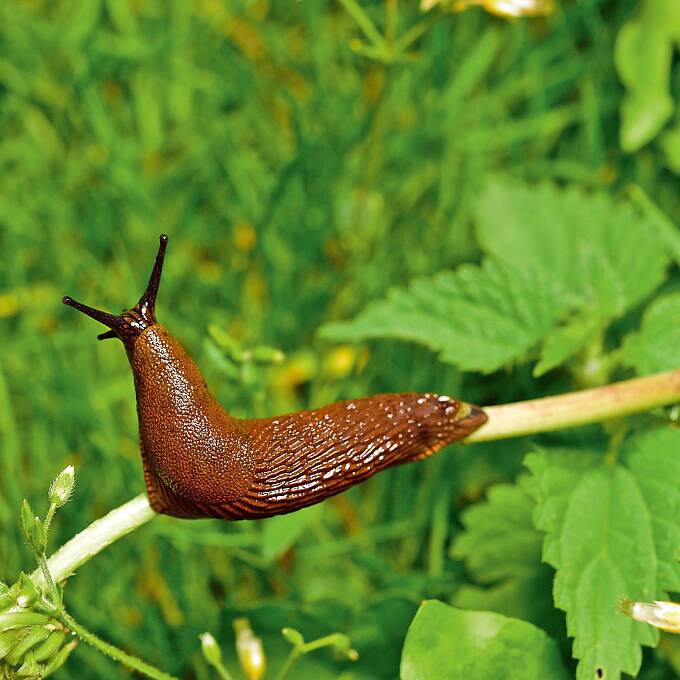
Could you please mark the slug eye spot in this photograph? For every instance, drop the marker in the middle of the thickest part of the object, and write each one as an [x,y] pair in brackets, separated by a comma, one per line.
[599,673]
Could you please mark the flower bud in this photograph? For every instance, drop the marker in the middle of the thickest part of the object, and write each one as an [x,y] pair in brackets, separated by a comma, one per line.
[264,355]
[249,650]
[62,487]
[664,615]
[293,636]
[211,650]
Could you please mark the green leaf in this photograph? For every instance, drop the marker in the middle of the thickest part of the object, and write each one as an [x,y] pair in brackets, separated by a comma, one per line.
[443,642]
[607,256]
[501,547]
[643,55]
[500,540]
[656,346]
[670,143]
[479,318]
[612,532]
[280,533]
[527,597]
[563,342]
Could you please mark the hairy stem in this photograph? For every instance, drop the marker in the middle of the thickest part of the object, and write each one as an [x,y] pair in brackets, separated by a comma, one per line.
[92,540]
[579,408]
[113,652]
[509,420]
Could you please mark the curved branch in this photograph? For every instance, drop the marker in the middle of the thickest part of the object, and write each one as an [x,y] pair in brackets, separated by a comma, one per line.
[509,420]
[94,538]
[579,408]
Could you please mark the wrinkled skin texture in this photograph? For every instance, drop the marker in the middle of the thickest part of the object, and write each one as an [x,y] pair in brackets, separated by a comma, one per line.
[200,462]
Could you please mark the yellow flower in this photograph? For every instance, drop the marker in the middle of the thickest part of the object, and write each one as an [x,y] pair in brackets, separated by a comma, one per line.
[249,649]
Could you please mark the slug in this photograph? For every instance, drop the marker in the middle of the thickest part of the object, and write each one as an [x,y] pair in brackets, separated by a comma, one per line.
[200,462]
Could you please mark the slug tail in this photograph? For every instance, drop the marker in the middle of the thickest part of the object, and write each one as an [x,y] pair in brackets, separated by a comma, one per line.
[129,325]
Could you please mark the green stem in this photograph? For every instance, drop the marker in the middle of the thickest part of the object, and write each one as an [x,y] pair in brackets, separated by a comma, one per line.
[364,22]
[579,408]
[47,576]
[48,519]
[294,655]
[92,540]
[113,652]
[223,672]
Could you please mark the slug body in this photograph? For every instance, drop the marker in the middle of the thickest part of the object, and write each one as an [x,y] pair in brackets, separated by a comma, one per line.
[201,462]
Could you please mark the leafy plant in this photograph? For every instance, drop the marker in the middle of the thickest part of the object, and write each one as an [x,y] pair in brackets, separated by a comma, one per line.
[306,159]
[599,510]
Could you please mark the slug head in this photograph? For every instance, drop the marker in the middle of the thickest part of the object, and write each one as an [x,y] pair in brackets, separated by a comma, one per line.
[129,325]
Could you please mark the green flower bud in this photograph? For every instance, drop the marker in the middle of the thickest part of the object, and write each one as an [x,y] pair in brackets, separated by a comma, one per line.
[211,650]
[264,355]
[249,650]
[293,636]
[62,487]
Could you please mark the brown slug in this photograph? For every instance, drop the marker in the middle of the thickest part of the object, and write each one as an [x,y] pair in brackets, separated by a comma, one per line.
[201,462]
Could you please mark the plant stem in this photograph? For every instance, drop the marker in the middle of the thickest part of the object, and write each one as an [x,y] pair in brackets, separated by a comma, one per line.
[364,22]
[579,408]
[49,518]
[47,577]
[92,540]
[294,655]
[113,652]
[509,420]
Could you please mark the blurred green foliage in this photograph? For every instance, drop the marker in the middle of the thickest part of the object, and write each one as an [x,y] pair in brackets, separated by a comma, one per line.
[298,180]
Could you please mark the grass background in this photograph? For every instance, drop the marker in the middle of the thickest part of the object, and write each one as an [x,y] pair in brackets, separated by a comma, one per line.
[297,181]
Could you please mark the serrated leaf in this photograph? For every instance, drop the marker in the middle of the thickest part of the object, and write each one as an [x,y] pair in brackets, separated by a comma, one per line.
[643,56]
[654,459]
[501,546]
[500,540]
[611,533]
[446,643]
[478,318]
[527,597]
[656,346]
[606,255]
